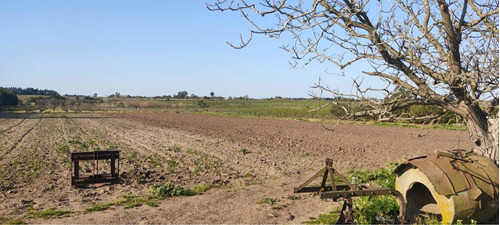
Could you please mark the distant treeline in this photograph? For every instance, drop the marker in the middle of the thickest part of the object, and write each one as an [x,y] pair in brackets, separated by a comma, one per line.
[30,91]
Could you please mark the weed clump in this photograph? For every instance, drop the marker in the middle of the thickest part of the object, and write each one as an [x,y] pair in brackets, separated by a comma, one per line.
[279,207]
[270,201]
[201,188]
[5,220]
[50,212]
[158,192]
[97,207]
[382,176]
[176,148]
[293,197]
[243,151]
[169,190]
[329,218]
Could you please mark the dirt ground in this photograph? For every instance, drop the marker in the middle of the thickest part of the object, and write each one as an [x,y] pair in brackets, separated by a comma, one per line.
[189,150]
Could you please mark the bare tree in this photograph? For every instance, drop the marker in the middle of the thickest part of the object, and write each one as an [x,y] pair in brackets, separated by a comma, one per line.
[442,52]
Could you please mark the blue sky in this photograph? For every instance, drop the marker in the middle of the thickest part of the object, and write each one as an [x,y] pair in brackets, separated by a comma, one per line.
[149,48]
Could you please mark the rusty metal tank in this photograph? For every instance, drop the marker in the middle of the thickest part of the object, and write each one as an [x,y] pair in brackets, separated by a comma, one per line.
[453,185]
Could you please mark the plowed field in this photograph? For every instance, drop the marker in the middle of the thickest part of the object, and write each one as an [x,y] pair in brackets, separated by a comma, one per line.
[245,160]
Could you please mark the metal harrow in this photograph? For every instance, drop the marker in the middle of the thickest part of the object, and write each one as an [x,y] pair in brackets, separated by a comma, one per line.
[346,191]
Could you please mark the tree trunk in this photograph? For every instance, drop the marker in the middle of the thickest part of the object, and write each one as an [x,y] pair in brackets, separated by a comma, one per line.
[483,132]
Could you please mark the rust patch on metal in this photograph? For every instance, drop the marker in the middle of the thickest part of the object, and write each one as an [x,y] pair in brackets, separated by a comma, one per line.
[438,178]
[454,171]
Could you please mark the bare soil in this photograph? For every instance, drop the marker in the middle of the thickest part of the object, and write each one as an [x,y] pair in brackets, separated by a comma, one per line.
[189,150]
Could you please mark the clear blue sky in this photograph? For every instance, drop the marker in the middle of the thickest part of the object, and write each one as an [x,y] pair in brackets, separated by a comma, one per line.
[149,48]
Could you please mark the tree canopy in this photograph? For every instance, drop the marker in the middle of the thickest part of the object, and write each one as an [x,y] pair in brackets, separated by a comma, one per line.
[31,91]
[8,98]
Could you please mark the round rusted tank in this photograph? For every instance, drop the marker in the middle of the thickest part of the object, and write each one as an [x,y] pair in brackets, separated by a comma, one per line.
[453,185]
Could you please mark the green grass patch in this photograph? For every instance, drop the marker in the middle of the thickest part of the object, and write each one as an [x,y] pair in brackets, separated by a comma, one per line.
[328,218]
[50,213]
[171,165]
[131,156]
[270,201]
[97,207]
[279,207]
[431,219]
[201,188]
[293,197]
[15,221]
[155,161]
[369,207]
[63,149]
[383,176]
[169,190]
[366,209]
[176,148]
[6,220]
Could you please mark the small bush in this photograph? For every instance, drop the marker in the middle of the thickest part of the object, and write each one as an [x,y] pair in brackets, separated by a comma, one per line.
[338,111]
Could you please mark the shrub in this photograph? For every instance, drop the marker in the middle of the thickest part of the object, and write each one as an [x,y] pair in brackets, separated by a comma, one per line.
[424,110]
[202,104]
[8,98]
[337,110]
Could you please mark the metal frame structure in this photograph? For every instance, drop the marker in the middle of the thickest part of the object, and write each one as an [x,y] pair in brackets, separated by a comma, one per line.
[95,156]
[346,191]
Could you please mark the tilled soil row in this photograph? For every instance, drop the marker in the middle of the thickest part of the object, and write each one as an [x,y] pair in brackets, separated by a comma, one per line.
[350,146]
[245,159]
